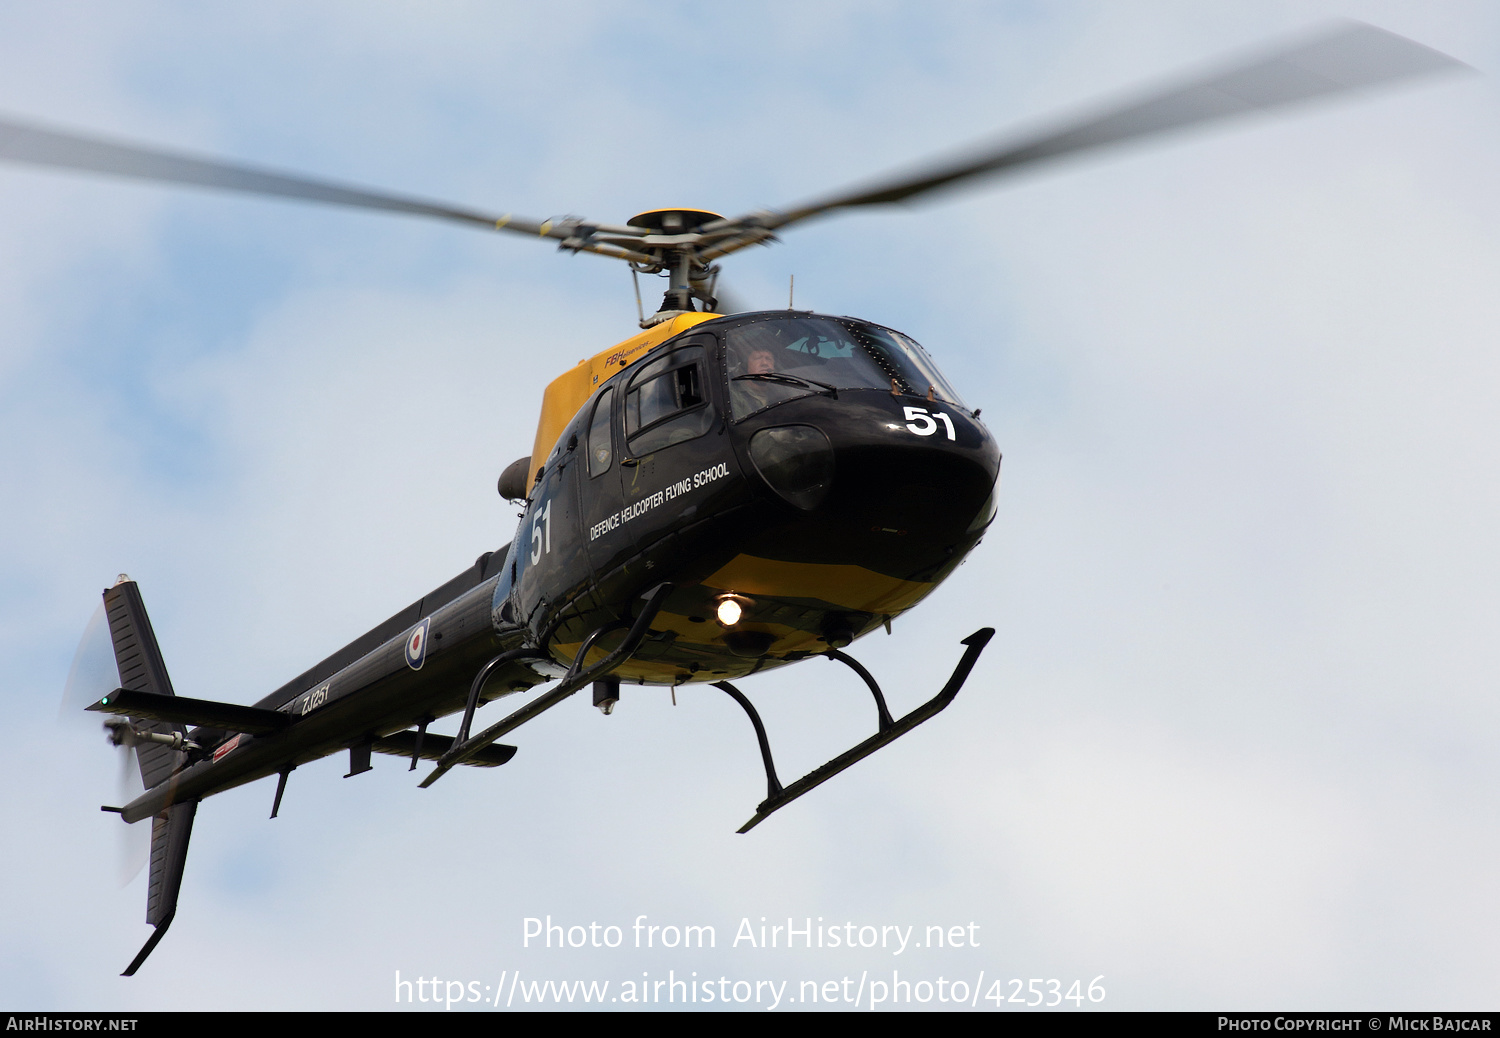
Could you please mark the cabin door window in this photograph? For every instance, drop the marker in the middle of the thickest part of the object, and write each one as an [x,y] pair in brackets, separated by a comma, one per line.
[667,402]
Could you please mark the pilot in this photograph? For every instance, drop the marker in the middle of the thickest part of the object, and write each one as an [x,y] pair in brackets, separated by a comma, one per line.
[750,395]
[764,361]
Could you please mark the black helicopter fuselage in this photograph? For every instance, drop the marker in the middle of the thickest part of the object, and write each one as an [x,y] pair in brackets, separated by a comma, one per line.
[821,507]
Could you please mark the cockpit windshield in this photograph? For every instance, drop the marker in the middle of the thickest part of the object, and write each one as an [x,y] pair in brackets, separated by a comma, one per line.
[780,359]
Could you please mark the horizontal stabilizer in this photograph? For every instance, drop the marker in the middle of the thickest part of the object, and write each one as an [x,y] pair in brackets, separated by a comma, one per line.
[230,717]
[434,746]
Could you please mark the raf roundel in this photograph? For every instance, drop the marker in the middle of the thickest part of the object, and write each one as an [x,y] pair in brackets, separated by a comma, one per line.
[416,645]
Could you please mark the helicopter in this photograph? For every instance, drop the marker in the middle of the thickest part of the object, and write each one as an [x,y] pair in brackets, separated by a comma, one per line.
[719,495]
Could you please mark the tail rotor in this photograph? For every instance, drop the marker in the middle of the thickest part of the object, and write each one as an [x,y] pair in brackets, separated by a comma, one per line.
[133,848]
[92,676]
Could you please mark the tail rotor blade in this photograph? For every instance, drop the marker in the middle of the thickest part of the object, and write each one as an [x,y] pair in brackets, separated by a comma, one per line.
[133,848]
[92,676]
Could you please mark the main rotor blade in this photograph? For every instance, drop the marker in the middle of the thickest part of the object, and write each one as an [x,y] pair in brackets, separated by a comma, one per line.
[729,301]
[35,145]
[1349,57]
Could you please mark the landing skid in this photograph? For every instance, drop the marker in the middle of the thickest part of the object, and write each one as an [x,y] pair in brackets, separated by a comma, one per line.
[466,745]
[778,796]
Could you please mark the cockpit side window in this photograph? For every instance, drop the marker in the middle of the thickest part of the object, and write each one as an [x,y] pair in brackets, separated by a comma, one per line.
[667,402]
[908,361]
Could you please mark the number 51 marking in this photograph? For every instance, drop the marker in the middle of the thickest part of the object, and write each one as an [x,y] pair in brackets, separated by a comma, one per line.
[541,533]
[923,424]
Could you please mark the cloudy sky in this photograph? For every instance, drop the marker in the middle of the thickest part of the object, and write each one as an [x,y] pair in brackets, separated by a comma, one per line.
[1235,742]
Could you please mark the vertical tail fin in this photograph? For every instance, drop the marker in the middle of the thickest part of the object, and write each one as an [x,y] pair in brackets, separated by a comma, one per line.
[169,844]
[142,669]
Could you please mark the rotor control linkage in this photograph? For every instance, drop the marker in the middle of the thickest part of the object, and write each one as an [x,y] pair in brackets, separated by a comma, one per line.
[576,677]
[778,796]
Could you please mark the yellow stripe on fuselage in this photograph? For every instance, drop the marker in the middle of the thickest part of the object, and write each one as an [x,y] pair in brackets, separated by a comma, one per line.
[572,389]
[848,587]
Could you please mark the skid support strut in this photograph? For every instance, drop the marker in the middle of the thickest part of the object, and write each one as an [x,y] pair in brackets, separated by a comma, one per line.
[478,683]
[890,730]
[577,676]
[773,784]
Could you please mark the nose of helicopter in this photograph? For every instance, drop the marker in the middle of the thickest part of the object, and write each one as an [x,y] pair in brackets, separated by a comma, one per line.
[910,495]
[894,484]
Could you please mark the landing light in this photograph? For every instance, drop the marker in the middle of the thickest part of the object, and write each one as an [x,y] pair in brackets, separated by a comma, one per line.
[729,612]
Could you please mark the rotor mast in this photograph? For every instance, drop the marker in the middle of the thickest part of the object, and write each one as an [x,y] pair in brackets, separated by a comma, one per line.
[678,243]
[672,239]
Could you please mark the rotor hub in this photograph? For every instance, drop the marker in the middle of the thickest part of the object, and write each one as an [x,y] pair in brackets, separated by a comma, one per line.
[672,221]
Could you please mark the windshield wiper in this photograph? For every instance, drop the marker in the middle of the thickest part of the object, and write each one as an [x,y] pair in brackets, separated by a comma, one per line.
[789,380]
